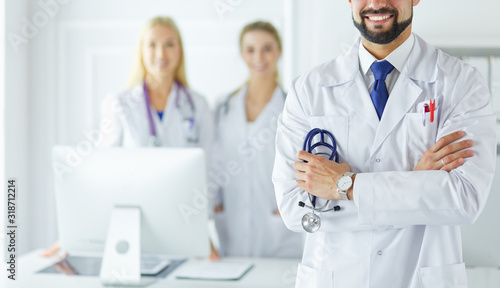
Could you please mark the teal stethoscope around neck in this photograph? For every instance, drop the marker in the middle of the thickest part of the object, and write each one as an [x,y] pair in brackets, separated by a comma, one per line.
[187,116]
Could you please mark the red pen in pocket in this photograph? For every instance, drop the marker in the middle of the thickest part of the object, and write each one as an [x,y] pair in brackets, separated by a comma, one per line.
[432,108]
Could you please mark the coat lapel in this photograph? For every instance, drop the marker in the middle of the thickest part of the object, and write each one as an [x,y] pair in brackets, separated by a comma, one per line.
[342,74]
[420,67]
[359,100]
[402,98]
[237,115]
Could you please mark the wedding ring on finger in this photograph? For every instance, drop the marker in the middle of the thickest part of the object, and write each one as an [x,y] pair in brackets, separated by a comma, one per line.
[442,161]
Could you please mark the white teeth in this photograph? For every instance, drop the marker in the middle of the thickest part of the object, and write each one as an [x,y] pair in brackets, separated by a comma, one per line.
[379,18]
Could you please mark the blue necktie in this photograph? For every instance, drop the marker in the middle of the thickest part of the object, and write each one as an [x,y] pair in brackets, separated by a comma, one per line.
[379,93]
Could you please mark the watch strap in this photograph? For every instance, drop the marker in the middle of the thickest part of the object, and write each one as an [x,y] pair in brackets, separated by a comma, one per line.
[342,193]
[349,174]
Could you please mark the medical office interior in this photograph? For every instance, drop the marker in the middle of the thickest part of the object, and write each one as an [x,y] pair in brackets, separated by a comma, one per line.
[67,55]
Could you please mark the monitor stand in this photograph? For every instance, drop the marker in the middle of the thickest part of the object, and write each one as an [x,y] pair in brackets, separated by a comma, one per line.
[121,262]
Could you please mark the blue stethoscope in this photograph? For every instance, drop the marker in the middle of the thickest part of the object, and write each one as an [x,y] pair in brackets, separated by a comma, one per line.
[188,116]
[311,221]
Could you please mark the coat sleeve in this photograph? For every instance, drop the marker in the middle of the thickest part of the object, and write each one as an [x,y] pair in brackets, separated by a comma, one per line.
[111,126]
[438,197]
[293,126]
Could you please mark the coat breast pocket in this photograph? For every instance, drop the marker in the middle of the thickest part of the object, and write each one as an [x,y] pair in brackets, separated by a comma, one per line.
[338,126]
[419,136]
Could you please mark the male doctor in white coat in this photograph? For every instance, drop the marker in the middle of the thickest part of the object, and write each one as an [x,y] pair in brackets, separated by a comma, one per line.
[397,227]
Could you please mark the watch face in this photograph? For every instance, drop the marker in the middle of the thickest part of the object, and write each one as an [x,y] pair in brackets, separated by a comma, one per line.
[344,183]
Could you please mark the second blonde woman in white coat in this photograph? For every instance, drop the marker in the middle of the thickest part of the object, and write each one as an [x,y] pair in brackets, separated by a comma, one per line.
[246,213]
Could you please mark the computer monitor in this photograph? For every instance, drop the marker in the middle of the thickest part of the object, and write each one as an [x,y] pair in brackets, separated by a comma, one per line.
[166,185]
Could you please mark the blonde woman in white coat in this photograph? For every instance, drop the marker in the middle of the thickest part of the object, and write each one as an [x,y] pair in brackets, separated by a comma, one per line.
[246,213]
[158,108]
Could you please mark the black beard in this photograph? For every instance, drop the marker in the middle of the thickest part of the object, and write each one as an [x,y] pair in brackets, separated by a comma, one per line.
[382,37]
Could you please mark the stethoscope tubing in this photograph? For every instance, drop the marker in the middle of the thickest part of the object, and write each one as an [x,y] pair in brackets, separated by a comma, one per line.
[310,137]
[152,128]
[309,147]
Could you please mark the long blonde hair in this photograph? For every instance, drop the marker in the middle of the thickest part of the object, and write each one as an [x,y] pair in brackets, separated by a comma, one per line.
[138,71]
[266,27]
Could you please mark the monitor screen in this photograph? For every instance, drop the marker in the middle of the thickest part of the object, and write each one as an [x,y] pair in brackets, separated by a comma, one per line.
[167,184]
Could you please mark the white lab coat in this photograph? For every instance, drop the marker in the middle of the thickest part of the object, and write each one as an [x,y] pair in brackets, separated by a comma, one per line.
[406,230]
[126,112]
[242,167]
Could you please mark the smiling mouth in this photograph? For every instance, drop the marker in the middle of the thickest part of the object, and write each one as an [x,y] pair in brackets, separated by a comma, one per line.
[378,17]
[160,63]
[260,67]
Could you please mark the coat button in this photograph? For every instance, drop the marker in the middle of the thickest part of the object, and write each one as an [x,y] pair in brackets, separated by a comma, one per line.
[379,252]
[378,160]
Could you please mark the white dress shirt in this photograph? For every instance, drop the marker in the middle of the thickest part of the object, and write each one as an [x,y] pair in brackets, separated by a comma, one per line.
[397,58]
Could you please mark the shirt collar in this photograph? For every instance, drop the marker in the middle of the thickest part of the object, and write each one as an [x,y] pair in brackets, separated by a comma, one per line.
[397,57]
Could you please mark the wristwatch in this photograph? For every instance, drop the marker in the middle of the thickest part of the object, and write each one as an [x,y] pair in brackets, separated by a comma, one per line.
[344,184]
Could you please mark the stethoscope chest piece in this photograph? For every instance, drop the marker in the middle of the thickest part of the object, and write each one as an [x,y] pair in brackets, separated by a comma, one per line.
[153,141]
[311,222]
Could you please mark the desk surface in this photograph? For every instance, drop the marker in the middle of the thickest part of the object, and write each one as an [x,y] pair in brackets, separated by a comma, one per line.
[265,273]
[274,273]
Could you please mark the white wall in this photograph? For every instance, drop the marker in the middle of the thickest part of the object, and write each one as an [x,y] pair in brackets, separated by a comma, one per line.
[17,111]
[81,52]
[2,128]
[55,82]
[325,29]
[458,22]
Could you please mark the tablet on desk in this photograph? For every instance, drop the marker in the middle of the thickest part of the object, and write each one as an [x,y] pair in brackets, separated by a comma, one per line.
[209,270]
[91,266]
